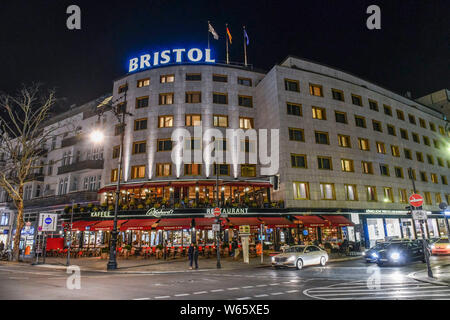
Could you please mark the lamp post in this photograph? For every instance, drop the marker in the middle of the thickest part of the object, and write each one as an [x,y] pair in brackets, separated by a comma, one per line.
[70,237]
[217,218]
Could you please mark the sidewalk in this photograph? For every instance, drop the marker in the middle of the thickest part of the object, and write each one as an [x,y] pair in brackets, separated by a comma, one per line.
[441,275]
[140,265]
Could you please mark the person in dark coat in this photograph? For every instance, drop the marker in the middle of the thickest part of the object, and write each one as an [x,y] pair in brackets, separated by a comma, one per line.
[193,255]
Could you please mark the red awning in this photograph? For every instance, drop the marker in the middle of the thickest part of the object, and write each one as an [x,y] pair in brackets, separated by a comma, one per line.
[106,225]
[338,221]
[81,225]
[311,221]
[249,221]
[138,224]
[174,224]
[277,222]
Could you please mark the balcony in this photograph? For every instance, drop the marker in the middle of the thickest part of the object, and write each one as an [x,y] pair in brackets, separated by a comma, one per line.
[67,142]
[35,177]
[82,165]
[80,196]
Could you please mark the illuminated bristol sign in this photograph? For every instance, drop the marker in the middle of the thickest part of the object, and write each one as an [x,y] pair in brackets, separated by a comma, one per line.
[164,57]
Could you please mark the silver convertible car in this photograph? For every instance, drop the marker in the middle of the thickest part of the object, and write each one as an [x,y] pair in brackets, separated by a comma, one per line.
[300,256]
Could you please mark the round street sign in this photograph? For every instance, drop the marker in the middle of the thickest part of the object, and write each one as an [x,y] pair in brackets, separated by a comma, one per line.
[48,220]
[217,212]
[416,200]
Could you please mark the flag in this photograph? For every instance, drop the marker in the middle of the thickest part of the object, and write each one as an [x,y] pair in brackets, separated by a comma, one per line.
[246,36]
[229,34]
[214,33]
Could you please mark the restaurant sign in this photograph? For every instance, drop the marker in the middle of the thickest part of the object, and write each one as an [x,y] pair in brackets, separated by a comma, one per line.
[101,214]
[158,212]
[224,212]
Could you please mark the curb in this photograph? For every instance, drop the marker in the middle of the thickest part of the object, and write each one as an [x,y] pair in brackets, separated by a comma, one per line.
[427,279]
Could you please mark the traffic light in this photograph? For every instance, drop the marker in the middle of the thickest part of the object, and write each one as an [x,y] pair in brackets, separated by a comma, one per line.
[275,182]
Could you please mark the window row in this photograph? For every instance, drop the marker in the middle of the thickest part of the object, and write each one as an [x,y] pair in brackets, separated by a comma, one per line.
[167,98]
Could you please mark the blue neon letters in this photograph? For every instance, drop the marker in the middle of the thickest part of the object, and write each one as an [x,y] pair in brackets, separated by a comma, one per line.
[149,60]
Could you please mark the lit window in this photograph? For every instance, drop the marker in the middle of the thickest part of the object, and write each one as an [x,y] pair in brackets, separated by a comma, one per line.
[315,90]
[167,78]
[327,191]
[367,167]
[193,120]
[388,194]
[137,172]
[246,123]
[301,190]
[371,192]
[363,144]
[166,98]
[192,169]
[351,193]
[248,170]
[347,165]
[165,121]
[163,169]
[193,97]
[344,141]
[220,121]
[319,113]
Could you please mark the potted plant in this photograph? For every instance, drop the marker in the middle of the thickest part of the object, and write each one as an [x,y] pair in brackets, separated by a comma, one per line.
[126,251]
[157,205]
[110,207]
[82,209]
[140,206]
[95,209]
[67,209]
[104,253]
[148,203]
[281,204]
[125,207]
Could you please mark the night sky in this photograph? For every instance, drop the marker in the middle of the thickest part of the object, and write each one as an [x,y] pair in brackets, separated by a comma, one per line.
[410,53]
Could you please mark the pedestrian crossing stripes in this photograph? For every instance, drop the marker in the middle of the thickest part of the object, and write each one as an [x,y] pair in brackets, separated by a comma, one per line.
[361,290]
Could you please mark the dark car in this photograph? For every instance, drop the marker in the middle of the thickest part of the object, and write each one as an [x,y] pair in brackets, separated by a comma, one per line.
[400,253]
[371,255]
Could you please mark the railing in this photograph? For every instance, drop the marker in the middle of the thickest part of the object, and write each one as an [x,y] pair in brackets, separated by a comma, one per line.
[35,177]
[67,142]
[80,196]
[82,165]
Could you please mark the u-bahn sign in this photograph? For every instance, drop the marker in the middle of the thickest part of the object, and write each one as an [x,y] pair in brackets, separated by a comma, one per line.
[416,200]
[164,57]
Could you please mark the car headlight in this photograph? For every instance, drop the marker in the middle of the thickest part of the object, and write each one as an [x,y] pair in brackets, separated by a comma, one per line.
[291,259]
[364,253]
[395,256]
[375,255]
[273,259]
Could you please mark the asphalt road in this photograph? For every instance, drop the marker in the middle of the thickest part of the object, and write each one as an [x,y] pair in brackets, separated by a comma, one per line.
[342,280]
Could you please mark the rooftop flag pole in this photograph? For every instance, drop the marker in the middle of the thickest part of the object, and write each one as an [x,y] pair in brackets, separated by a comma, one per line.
[245,46]
[226,41]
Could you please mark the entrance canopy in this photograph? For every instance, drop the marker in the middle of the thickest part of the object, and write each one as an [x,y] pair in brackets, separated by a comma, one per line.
[174,224]
[81,225]
[338,221]
[138,224]
[252,222]
[311,221]
[277,222]
[106,225]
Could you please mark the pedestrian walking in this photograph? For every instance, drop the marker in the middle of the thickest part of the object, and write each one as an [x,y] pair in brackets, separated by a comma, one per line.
[2,246]
[193,255]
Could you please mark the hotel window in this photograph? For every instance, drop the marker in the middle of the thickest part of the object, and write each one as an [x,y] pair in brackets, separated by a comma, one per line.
[423,176]
[248,146]
[224,169]
[400,115]
[220,121]
[442,130]
[367,167]
[220,78]
[193,97]
[438,198]
[434,178]
[384,170]
[363,144]
[248,170]
[163,169]
[337,94]
[440,162]
[166,78]
[246,123]
[344,141]
[419,156]
[351,193]
[403,196]
[245,101]
[123,88]
[118,129]
[360,121]
[444,180]
[373,105]
[291,85]
[163,145]
[315,90]
[327,191]
[141,102]
[116,152]
[377,126]
[192,169]
[137,172]
[412,174]
[428,198]
[391,130]
[395,151]
[140,124]
[422,123]
[356,100]
[166,98]
[296,134]
[139,147]
[220,98]
[408,154]
[244,81]
[387,110]
[341,117]
[301,190]
[371,192]
[143,83]
[426,141]
[298,161]
[381,148]
[415,137]
[398,172]
[193,76]
[122,107]
[412,119]
[436,144]
[324,163]
[347,165]
[193,120]
[114,175]
[193,144]
[319,113]
[220,144]
[322,137]
[294,109]
[388,194]
[432,126]
[404,134]
[165,121]
[430,159]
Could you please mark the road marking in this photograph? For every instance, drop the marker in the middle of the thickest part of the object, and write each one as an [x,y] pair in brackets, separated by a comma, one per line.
[142,299]
[216,290]
[292,291]
[261,295]
[244,298]
[273,284]
[162,297]
[276,293]
[200,292]
[181,294]
[232,288]
[261,285]
[247,287]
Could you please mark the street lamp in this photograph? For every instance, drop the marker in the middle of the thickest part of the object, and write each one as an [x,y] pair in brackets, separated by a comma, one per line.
[97,136]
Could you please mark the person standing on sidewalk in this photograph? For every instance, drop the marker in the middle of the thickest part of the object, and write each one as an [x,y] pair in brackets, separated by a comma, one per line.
[193,255]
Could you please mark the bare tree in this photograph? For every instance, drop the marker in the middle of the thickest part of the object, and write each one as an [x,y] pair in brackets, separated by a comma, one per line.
[23,138]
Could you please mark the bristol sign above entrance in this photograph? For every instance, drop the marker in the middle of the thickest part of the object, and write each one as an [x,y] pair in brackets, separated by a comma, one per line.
[159,58]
